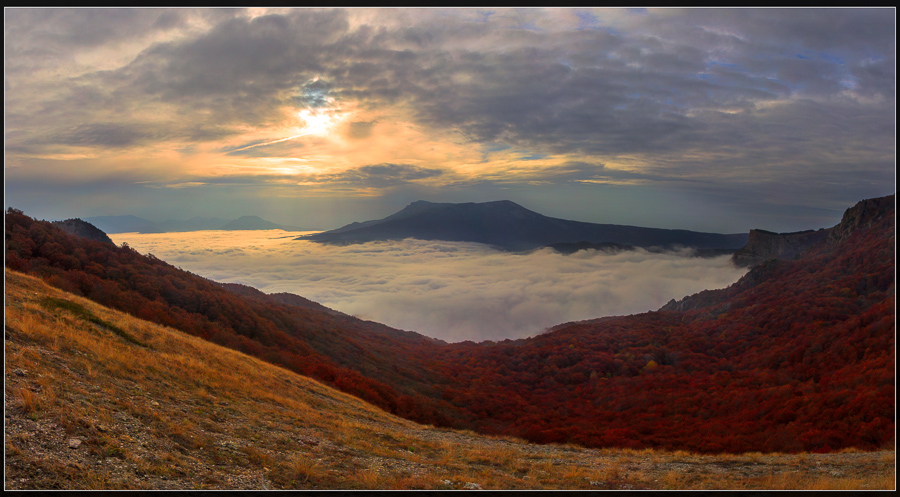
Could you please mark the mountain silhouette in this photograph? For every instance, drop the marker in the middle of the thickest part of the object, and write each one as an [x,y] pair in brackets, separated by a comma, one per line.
[134,224]
[509,226]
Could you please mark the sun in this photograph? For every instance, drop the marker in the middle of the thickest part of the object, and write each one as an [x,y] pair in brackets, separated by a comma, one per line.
[316,123]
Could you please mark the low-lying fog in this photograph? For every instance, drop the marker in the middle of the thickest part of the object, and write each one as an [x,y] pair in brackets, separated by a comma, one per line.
[449,290]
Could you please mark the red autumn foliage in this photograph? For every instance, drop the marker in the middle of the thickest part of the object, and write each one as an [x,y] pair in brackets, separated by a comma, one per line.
[797,356]
[355,356]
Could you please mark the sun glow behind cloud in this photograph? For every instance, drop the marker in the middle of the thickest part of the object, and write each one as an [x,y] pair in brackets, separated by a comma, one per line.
[759,109]
[452,291]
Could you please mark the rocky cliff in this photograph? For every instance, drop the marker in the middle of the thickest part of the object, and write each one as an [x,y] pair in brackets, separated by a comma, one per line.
[764,245]
[862,215]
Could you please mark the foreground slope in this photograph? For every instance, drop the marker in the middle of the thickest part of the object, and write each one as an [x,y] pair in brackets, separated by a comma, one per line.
[97,399]
[375,362]
[510,226]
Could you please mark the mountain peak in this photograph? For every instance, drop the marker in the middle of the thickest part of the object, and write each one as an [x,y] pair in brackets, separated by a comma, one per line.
[84,229]
[251,223]
[864,214]
[509,226]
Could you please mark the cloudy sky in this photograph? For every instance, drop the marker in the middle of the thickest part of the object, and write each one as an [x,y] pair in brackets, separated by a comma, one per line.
[707,119]
[448,290]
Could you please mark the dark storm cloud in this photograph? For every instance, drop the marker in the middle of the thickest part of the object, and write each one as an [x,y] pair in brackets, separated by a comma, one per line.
[242,67]
[589,91]
[731,99]
[85,27]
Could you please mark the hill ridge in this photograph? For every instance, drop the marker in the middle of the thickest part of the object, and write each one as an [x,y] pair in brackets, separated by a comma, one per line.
[509,226]
[816,331]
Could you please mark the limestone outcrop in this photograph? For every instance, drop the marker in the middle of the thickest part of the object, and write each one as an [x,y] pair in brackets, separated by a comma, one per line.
[764,245]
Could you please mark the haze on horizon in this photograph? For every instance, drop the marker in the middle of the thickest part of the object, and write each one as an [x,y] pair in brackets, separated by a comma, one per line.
[715,120]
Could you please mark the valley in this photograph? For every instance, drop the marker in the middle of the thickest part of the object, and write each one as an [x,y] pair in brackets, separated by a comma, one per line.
[796,358]
[465,248]
[88,410]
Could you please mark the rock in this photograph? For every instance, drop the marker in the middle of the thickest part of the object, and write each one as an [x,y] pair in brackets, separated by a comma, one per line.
[20,372]
[154,404]
[472,486]
[865,214]
[763,245]
[74,443]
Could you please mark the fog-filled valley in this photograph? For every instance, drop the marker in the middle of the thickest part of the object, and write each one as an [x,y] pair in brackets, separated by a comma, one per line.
[453,291]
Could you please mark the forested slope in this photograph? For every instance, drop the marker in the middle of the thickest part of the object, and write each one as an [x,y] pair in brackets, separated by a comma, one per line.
[796,356]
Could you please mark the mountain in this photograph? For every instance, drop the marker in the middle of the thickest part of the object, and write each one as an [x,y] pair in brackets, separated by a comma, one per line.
[123,224]
[864,215]
[134,224]
[255,223]
[195,223]
[281,298]
[763,245]
[98,399]
[509,226]
[369,360]
[797,356]
[83,229]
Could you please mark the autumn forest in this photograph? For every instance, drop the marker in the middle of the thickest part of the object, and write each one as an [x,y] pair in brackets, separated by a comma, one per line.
[796,356]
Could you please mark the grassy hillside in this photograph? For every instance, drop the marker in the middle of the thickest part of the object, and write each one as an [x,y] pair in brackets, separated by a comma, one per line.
[99,399]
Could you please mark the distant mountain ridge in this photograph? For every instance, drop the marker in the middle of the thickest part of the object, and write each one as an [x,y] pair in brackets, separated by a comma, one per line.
[134,224]
[509,226]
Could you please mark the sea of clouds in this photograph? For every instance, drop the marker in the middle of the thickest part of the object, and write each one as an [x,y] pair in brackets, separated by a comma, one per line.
[449,290]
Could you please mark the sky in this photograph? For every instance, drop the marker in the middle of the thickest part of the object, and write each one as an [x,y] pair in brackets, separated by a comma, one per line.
[453,291]
[715,120]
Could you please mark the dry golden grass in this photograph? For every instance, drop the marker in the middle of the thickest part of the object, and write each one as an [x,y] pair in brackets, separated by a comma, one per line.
[155,408]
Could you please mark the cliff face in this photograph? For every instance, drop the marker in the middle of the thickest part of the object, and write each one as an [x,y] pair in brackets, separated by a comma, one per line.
[766,251]
[862,215]
[764,245]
